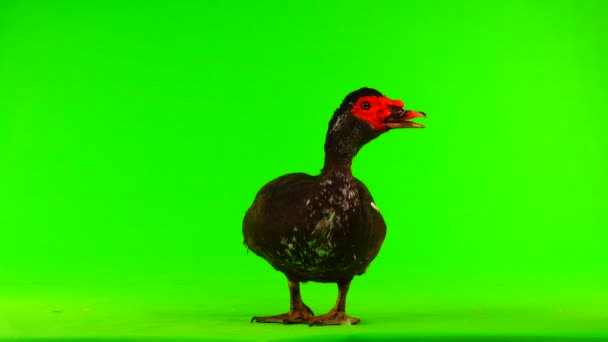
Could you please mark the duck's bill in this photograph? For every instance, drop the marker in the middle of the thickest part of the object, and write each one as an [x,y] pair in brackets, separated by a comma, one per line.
[401,119]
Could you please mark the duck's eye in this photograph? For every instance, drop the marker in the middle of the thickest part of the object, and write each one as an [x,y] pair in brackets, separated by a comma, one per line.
[365,105]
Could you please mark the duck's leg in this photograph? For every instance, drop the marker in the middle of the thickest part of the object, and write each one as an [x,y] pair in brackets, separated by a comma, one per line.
[337,315]
[298,311]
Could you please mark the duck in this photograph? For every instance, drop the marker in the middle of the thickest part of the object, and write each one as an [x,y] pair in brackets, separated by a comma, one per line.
[326,228]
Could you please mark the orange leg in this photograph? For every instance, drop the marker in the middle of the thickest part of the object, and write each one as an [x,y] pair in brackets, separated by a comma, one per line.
[298,311]
[337,315]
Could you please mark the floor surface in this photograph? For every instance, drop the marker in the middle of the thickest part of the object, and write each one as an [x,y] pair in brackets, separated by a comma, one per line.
[174,312]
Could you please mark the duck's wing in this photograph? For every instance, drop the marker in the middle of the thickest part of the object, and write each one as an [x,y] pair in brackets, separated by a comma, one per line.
[278,206]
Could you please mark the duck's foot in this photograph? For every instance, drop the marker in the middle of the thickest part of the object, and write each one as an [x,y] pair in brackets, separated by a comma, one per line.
[334,318]
[303,315]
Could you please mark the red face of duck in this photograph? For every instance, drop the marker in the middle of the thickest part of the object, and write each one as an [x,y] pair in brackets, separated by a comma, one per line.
[383,113]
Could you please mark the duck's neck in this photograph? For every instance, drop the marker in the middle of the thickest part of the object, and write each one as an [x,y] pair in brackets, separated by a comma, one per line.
[334,164]
[337,184]
[345,137]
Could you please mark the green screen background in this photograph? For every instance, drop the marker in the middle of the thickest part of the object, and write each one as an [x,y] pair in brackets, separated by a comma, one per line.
[134,135]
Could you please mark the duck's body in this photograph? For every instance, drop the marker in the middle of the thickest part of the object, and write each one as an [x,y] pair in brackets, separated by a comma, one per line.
[322,228]
[325,228]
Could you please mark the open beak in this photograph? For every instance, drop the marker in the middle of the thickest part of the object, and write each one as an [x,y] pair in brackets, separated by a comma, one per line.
[400,118]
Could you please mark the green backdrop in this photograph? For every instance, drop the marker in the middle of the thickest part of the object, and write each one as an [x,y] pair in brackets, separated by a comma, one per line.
[134,135]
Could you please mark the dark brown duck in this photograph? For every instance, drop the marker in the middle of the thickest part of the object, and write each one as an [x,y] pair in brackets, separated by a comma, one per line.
[326,228]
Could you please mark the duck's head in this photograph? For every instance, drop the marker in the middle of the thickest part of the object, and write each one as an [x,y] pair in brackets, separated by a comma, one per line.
[364,115]
[380,112]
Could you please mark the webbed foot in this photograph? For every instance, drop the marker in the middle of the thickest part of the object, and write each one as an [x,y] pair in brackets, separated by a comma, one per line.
[303,315]
[334,318]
